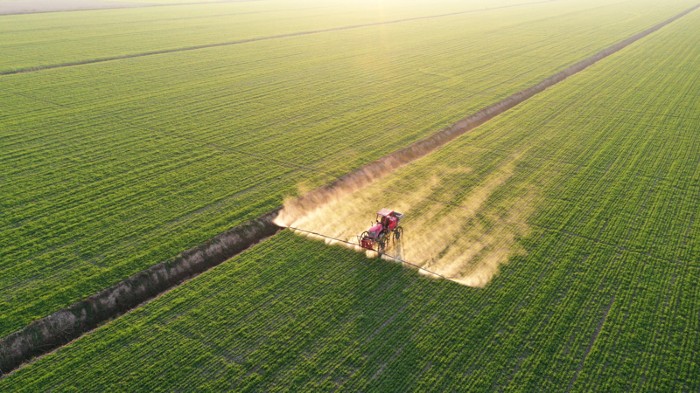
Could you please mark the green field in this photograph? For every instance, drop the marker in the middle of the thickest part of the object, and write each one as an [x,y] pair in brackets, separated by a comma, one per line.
[614,154]
[109,168]
[589,192]
[38,40]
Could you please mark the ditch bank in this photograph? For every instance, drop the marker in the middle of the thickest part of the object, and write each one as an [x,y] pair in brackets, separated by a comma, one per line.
[49,333]
[57,329]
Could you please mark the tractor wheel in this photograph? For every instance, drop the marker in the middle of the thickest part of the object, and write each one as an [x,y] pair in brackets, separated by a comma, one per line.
[381,246]
[361,237]
[398,232]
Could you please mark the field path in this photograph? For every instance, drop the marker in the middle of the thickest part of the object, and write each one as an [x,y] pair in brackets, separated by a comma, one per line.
[55,330]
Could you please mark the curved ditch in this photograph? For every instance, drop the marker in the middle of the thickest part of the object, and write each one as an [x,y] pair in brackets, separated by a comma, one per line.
[48,333]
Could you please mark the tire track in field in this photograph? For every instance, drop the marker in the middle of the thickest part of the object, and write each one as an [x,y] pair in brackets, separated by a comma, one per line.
[46,334]
[25,70]
[596,333]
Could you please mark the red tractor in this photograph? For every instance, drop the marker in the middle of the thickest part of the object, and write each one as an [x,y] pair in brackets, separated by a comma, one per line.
[382,231]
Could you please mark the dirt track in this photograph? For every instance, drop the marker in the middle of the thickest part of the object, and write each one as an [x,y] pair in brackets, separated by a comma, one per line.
[48,333]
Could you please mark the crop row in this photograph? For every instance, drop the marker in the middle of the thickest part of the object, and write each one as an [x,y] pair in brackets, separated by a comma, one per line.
[604,298]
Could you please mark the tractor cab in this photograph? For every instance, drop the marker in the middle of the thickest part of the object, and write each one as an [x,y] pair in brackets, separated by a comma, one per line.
[389,219]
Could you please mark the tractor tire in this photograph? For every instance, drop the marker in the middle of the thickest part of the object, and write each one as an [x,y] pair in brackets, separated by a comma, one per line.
[362,236]
[381,246]
[398,232]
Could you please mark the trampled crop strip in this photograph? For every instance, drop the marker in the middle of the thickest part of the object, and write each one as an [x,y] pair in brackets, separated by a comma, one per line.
[255,39]
[46,334]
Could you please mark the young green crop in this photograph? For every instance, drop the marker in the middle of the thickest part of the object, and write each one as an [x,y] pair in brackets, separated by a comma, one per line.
[110,168]
[605,297]
[46,39]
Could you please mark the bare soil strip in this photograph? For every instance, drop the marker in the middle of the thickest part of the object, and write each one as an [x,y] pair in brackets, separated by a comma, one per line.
[248,40]
[46,334]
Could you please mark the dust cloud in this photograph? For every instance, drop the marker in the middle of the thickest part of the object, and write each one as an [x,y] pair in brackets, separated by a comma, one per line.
[463,235]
